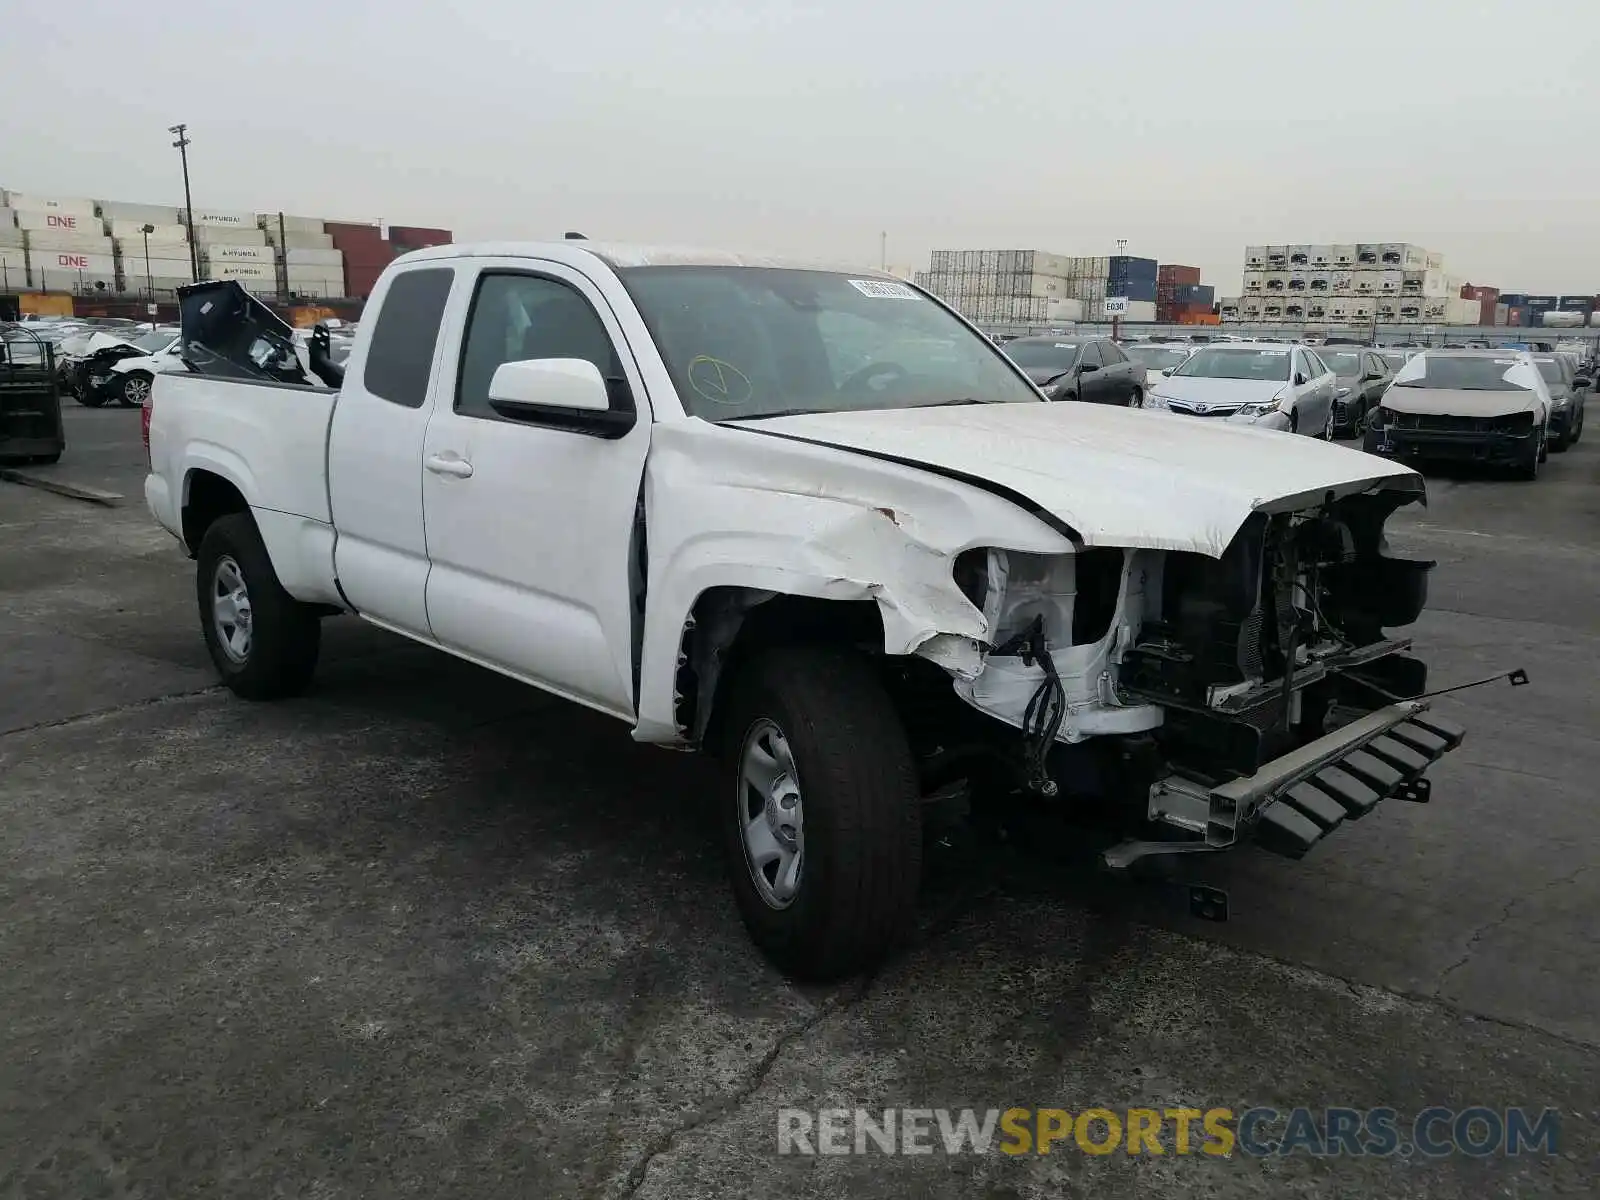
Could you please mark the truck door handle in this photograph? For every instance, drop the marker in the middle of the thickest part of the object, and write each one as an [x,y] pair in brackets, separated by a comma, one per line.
[440,465]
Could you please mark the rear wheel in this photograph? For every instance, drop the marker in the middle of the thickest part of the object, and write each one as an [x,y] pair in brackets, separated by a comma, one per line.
[263,641]
[822,824]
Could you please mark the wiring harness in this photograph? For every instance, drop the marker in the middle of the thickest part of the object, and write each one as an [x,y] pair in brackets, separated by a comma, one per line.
[1042,719]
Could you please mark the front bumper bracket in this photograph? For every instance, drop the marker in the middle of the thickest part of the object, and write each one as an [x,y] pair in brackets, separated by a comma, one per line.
[1296,800]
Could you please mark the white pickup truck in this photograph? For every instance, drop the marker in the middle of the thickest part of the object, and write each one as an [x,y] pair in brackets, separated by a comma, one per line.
[813,521]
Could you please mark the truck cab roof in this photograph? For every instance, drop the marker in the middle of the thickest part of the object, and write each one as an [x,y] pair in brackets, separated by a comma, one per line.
[623,255]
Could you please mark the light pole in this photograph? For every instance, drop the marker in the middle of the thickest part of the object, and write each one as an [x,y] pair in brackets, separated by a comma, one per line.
[149,282]
[182,146]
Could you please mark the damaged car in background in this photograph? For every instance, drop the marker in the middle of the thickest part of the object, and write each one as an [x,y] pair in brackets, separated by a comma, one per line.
[813,522]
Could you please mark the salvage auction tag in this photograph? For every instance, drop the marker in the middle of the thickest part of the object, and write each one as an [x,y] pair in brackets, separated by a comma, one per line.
[883,289]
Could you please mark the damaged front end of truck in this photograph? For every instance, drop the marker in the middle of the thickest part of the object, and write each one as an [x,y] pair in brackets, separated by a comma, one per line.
[1263,694]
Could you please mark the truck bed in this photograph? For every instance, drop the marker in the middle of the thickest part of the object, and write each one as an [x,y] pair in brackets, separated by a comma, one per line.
[270,442]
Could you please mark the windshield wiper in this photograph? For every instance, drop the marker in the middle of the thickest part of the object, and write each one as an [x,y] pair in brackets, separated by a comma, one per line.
[953,403]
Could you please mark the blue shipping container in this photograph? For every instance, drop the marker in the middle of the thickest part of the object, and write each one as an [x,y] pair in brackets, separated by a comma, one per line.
[1123,266]
[1581,304]
[1541,301]
[1133,289]
[1514,299]
[1194,293]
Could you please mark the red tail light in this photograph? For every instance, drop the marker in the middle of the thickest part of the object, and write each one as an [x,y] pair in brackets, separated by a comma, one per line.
[144,424]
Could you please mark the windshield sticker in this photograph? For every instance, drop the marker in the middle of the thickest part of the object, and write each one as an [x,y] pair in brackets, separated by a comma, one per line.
[1505,362]
[1065,346]
[719,382]
[883,289]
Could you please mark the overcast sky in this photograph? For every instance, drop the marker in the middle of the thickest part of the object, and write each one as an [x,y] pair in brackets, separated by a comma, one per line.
[1187,129]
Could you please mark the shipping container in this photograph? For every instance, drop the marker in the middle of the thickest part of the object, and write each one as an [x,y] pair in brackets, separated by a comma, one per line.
[1342,254]
[1143,290]
[1124,267]
[1575,303]
[1497,316]
[1276,282]
[13,268]
[1255,258]
[1300,255]
[1176,274]
[1433,261]
[1431,284]
[218,253]
[1513,299]
[1390,283]
[243,270]
[1194,293]
[1277,258]
[1541,302]
[1517,314]
[81,243]
[60,205]
[300,241]
[1298,281]
[1474,291]
[140,214]
[219,219]
[134,230]
[295,256]
[223,235]
[289,224]
[1369,254]
[1254,282]
[1228,307]
[1321,256]
[58,222]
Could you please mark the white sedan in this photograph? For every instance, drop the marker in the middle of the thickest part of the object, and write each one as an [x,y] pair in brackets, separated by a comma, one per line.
[1271,385]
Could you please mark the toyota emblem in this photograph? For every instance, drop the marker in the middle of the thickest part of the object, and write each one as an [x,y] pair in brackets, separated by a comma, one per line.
[1200,408]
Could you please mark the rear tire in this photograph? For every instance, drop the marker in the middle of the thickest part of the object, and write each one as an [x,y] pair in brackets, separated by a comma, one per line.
[268,649]
[821,820]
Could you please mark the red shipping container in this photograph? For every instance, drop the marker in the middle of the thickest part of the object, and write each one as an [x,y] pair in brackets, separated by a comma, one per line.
[419,235]
[1486,309]
[1173,273]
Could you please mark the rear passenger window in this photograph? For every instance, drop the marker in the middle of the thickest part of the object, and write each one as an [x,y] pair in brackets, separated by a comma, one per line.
[1112,354]
[400,358]
[1090,356]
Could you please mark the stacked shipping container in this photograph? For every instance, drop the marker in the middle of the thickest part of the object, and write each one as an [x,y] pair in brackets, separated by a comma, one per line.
[1319,283]
[1037,287]
[100,247]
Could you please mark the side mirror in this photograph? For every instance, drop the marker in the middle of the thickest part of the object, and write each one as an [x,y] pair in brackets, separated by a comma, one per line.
[568,393]
[1085,368]
[1299,379]
[1581,381]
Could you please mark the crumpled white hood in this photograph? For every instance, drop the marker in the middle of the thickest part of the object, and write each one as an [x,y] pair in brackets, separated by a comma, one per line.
[1117,477]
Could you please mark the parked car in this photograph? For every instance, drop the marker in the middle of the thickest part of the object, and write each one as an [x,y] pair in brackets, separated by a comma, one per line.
[1394,357]
[1078,368]
[127,379]
[643,481]
[1158,359]
[1360,376]
[1566,398]
[1488,406]
[1269,385]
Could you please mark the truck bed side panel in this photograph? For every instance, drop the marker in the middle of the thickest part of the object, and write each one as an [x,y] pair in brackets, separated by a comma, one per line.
[269,441]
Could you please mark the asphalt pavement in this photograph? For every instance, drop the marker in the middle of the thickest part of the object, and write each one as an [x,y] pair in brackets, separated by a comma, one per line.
[425,932]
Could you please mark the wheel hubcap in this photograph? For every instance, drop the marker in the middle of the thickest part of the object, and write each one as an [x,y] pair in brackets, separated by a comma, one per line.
[230,609]
[136,390]
[771,814]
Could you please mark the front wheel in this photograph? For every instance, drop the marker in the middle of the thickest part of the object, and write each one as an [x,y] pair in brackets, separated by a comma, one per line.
[1528,469]
[135,389]
[263,641]
[1136,400]
[822,823]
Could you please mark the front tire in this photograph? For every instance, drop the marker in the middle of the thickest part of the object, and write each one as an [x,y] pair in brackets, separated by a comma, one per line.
[1136,400]
[135,389]
[822,820]
[1528,469]
[262,640]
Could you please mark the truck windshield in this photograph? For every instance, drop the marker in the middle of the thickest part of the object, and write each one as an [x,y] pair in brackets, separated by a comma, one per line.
[743,342]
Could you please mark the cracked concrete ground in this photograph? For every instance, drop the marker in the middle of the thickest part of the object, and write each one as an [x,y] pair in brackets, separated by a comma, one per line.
[425,932]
